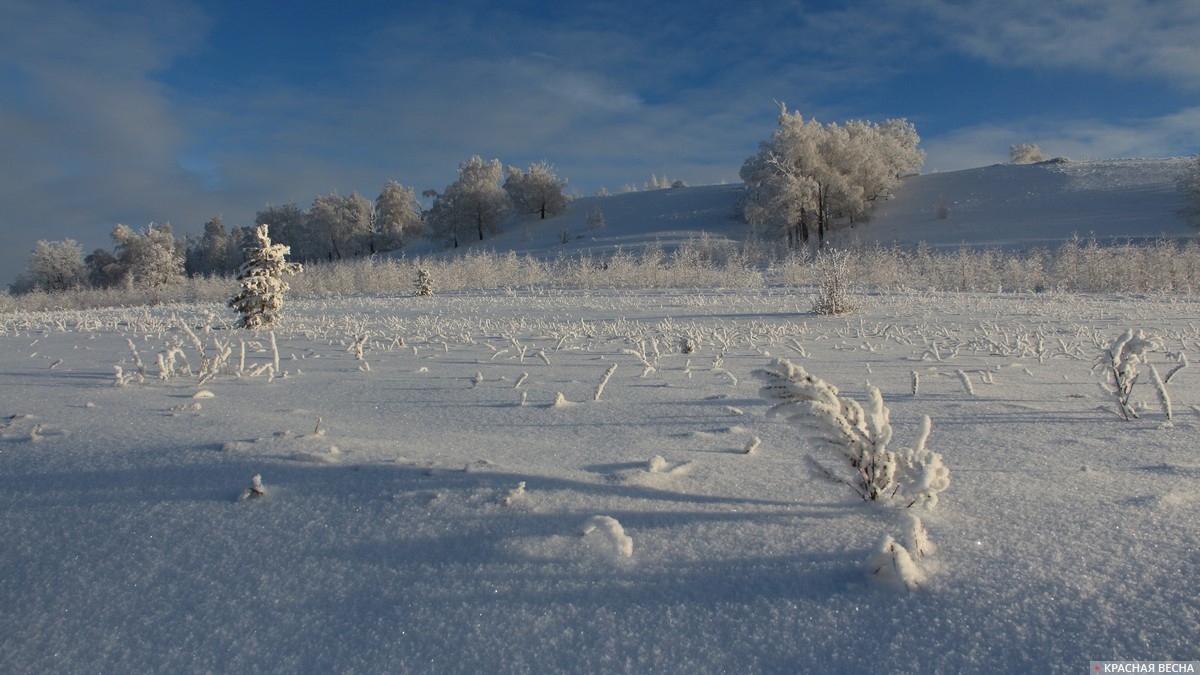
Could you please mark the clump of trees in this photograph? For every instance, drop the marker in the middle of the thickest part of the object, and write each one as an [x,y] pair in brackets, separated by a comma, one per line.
[151,259]
[338,227]
[809,177]
[333,228]
[473,205]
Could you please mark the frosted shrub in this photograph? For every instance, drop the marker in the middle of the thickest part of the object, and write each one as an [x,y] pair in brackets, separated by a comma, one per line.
[1119,362]
[832,268]
[262,286]
[908,477]
[1026,153]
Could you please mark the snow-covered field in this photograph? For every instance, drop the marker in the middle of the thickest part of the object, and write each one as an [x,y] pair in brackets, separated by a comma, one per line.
[464,483]
[425,505]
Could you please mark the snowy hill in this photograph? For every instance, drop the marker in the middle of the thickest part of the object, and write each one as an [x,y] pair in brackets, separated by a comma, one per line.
[1028,205]
[1005,205]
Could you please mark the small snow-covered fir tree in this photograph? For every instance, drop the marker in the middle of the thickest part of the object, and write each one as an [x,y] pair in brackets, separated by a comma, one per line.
[423,284]
[262,281]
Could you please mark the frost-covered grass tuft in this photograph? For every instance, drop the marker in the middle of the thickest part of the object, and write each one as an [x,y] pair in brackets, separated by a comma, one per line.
[912,476]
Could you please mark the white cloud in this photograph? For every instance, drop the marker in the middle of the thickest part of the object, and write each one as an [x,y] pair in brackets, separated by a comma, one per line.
[1129,38]
[88,135]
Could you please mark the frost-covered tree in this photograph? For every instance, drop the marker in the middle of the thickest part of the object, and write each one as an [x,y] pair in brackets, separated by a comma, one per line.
[1188,185]
[539,190]
[289,223]
[807,175]
[475,204]
[262,283]
[397,218]
[149,259]
[1026,153]
[215,251]
[53,266]
[341,226]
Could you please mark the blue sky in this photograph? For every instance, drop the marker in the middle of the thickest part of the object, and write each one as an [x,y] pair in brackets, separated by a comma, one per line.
[140,111]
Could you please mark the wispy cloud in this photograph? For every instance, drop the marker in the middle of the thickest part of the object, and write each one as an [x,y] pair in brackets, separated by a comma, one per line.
[87,132]
[1129,38]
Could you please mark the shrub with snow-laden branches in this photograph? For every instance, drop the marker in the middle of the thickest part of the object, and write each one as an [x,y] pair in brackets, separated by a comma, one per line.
[1120,360]
[908,477]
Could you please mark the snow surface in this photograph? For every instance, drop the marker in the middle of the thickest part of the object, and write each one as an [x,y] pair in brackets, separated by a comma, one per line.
[458,500]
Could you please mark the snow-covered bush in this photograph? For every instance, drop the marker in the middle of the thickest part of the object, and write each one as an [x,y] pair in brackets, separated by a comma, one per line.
[262,285]
[1026,153]
[894,563]
[832,268]
[1119,362]
[908,477]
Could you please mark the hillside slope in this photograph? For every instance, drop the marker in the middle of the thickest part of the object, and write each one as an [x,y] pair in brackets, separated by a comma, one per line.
[1008,205]
[1034,204]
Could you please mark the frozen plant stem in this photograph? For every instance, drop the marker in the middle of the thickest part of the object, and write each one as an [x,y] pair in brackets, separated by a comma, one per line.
[604,381]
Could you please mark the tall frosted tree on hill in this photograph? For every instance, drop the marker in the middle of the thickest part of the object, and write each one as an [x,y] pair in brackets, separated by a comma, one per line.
[262,284]
[538,191]
[808,176]
[475,204]
[397,218]
[341,227]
